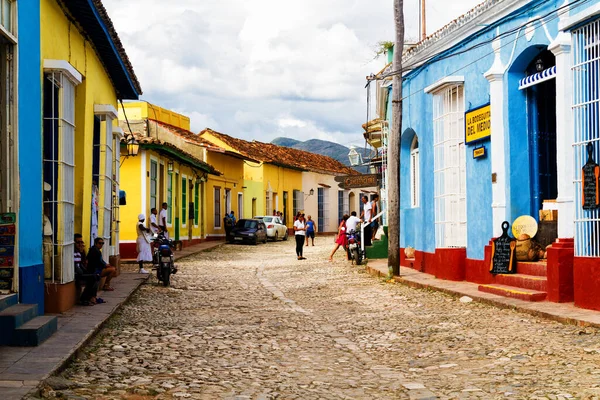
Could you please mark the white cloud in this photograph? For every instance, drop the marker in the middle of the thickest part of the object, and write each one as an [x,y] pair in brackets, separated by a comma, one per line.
[258,69]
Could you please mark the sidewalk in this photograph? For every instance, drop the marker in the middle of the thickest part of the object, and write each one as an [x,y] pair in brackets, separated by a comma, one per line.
[562,312]
[22,369]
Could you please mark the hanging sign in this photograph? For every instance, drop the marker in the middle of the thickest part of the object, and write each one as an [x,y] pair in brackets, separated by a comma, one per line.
[503,253]
[358,181]
[589,181]
[478,124]
[479,152]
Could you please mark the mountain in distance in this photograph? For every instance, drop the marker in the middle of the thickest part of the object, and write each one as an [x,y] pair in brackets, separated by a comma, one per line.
[323,147]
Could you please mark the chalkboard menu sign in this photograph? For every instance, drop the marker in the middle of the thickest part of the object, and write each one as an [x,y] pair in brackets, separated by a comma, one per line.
[589,181]
[503,253]
[7,251]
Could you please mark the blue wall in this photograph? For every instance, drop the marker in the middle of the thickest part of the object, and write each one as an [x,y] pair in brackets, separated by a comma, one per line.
[30,154]
[417,224]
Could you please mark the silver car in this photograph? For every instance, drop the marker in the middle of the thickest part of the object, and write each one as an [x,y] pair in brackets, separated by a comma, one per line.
[275,228]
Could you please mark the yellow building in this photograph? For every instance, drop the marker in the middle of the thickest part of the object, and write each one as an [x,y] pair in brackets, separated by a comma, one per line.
[215,176]
[85,72]
[284,179]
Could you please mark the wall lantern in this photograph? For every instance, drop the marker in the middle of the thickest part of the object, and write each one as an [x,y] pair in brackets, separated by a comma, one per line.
[354,157]
[539,65]
[200,178]
[310,193]
[133,146]
[170,166]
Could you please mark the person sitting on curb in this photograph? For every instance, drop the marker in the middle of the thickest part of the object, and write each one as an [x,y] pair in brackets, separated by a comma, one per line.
[96,263]
[89,278]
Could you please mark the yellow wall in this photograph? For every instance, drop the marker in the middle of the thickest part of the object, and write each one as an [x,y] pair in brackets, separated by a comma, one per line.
[61,40]
[137,185]
[232,180]
[139,110]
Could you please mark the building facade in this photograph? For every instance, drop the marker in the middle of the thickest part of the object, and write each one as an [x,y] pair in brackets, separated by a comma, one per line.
[499,110]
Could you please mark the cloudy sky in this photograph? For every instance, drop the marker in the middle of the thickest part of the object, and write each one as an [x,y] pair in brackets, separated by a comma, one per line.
[259,69]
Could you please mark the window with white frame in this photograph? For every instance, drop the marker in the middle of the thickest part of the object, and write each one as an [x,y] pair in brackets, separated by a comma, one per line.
[323,208]
[586,109]
[153,183]
[184,201]
[105,173]
[117,133]
[298,201]
[449,167]
[414,173]
[240,206]
[268,208]
[340,204]
[217,206]
[59,173]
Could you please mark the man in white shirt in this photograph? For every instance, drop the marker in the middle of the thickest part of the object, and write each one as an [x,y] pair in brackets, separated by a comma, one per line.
[162,219]
[366,217]
[153,222]
[352,222]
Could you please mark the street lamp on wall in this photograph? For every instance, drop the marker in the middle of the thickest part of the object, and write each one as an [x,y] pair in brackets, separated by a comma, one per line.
[170,166]
[310,193]
[133,146]
[354,157]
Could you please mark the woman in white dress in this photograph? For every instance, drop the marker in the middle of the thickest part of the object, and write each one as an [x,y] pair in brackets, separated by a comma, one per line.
[143,244]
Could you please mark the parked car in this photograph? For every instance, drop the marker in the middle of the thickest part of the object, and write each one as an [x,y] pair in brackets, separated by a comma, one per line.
[249,230]
[275,228]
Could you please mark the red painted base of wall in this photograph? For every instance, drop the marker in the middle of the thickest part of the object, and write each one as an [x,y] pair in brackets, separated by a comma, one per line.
[586,282]
[448,264]
[560,271]
[478,271]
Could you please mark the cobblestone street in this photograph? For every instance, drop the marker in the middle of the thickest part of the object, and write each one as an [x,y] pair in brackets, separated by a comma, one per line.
[253,322]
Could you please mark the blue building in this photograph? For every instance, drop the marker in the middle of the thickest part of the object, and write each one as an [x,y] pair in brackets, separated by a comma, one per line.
[499,107]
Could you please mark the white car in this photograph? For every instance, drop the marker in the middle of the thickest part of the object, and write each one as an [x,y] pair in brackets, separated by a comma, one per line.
[275,229]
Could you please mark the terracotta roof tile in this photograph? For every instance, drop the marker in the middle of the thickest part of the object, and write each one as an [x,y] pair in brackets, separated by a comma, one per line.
[284,156]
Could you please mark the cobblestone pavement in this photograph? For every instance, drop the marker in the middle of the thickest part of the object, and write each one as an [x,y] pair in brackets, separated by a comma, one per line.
[252,322]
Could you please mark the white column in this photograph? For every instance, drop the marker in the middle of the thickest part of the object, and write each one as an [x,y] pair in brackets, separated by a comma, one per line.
[497,152]
[561,47]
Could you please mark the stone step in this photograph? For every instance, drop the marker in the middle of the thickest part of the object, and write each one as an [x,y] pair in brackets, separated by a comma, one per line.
[513,292]
[8,300]
[531,268]
[13,317]
[34,332]
[523,281]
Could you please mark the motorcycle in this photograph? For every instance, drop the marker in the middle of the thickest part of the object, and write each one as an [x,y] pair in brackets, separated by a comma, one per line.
[163,258]
[355,253]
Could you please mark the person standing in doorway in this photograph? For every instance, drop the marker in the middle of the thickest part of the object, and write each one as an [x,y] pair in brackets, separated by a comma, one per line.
[310,230]
[228,223]
[143,244]
[300,233]
[374,212]
[162,220]
[366,217]
[154,228]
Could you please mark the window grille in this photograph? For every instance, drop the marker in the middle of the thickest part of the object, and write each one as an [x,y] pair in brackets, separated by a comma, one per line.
[59,171]
[586,108]
[414,173]
[217,201]
[340,204]
[298,201]
[323,208]
[116,208]
[184,202]
[169,198]
[449,167]
[241,205]
[153,183]
[196,203]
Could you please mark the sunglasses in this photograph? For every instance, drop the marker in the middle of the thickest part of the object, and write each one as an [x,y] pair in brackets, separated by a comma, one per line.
[100,242]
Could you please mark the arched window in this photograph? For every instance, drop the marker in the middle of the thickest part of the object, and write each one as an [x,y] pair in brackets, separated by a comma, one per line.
[414,172]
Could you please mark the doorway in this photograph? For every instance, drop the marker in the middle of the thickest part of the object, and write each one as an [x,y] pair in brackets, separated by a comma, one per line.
[541,104]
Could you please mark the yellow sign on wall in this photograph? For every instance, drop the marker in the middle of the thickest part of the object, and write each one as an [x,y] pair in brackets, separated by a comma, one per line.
[478,124]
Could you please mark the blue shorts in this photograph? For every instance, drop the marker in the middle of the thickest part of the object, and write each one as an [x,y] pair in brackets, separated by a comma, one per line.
[310,234]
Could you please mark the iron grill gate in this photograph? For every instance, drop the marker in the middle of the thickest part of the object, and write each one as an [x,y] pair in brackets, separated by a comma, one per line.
[586,102]
[449,167]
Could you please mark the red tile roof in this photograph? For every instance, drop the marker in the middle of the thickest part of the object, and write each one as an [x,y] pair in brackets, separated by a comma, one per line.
[284,156]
